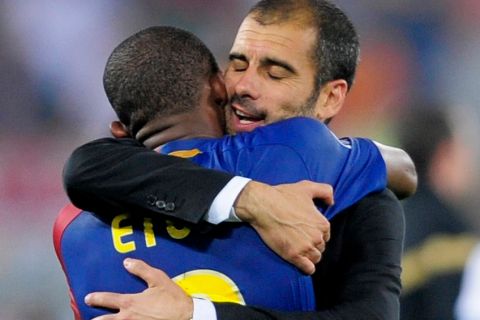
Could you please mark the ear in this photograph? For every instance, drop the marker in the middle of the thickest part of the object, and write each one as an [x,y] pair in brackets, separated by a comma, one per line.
[331,99]
[119,130]
[219,92]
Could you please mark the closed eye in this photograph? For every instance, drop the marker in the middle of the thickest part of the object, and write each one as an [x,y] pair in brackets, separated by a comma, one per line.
[238,62]
[278,72]
[274,77]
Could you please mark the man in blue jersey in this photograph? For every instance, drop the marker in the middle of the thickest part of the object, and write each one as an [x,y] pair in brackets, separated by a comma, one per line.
[276,72]
[284,152]
[298,148]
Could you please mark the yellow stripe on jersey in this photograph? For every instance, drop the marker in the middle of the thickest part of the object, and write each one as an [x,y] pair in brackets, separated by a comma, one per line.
[210,284]
[185,153]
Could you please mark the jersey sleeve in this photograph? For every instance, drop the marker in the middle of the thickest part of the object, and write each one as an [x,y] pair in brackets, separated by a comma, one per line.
[364,173]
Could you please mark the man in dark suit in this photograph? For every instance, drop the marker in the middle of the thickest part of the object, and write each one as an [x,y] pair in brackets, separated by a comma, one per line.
[272,75]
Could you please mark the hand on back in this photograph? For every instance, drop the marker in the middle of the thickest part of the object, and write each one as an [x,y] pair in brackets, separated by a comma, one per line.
[287,219]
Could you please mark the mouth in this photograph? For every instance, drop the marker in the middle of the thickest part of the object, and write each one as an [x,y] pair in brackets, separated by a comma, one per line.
[243,120]
[246,118]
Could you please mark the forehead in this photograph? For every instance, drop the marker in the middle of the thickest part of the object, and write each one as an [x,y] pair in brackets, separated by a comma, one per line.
[287,41]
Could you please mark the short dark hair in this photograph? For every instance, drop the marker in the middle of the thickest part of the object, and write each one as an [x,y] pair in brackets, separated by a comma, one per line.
[337,49]
[156,72]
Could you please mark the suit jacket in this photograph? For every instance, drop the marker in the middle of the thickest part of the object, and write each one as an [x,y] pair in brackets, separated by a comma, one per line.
[358,277]
[112,175]
[359,274]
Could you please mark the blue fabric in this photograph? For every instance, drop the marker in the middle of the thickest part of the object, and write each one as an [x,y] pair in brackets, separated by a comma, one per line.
[293,150]
[288,151]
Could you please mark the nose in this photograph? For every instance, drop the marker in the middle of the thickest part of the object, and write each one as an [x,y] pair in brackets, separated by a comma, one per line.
[247,84]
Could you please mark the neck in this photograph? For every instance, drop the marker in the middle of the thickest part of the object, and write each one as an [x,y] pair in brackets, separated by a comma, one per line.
[177,127]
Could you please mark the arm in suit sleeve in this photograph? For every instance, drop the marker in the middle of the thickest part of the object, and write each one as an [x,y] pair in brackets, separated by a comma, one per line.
[112,175]
[359,275]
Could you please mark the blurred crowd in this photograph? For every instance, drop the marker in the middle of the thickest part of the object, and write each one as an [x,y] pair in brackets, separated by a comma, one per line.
[416,88]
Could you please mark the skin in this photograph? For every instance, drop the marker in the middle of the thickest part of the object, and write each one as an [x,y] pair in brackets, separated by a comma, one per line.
[284,215]
[143,305]
[296,231]
[206,120]
[270,77]
[267,65]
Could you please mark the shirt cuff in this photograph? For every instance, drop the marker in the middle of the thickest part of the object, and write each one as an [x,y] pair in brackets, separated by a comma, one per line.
[222,206]
[203,309]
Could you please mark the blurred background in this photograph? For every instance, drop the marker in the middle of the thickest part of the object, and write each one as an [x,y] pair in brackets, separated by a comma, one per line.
[416,87]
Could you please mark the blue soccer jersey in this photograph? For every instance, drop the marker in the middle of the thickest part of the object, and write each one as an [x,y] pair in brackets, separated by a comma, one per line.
[230,263]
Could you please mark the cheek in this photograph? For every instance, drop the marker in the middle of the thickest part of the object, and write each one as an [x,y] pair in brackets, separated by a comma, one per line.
[280,100]
[227,112]
[230,80]
[274,108]
[284,106]
[228,123]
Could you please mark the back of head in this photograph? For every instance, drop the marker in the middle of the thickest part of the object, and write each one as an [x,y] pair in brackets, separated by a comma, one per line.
[157,72]
[336,51]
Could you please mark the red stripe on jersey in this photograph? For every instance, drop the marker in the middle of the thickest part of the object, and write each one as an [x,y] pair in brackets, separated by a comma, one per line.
[64,218]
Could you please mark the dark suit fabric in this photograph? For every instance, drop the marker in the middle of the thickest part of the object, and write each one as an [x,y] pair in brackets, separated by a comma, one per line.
[358,277]
[118,175]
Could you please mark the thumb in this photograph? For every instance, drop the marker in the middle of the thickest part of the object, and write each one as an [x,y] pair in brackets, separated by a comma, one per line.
[152,276]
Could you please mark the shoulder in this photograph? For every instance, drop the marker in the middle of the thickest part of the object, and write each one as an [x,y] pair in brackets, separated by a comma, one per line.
[63,220]
[295,128]
[104,146]
[380,208]
[299,133]
[110,142]
[376,215]
[380,201]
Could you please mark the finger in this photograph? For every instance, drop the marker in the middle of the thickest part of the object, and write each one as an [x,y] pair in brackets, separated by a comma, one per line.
[104,299]
[314,255]
[106,317]
[320,246]
[326,234]
[322,191]
[304,264]
[318,238]
[152,276]
[324,227]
